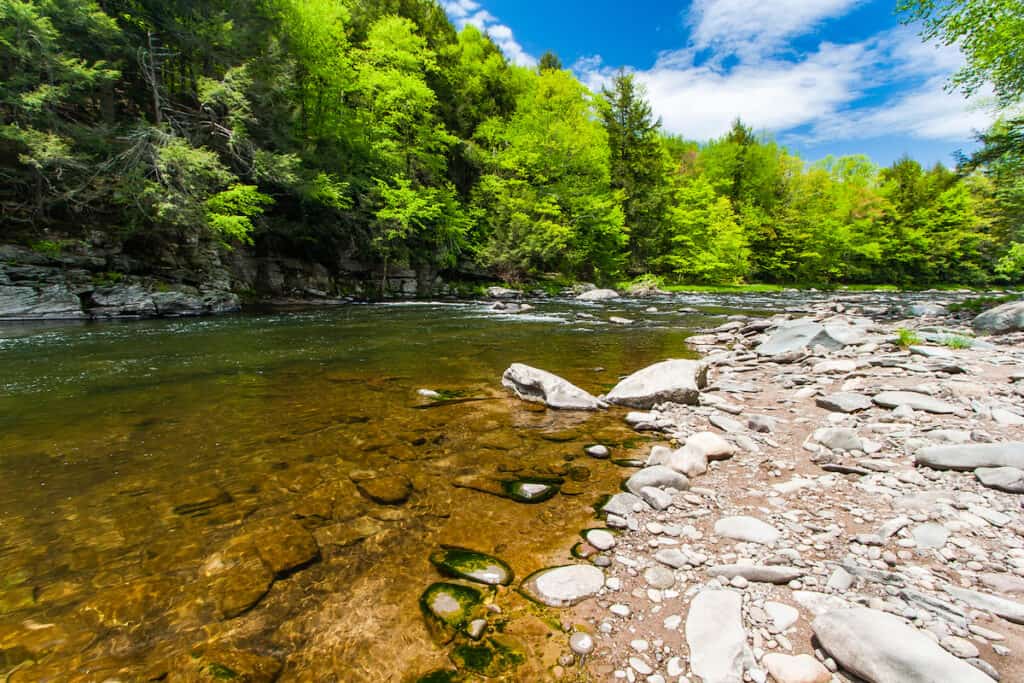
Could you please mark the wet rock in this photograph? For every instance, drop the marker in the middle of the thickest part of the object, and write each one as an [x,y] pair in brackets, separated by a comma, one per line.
[881,648]
[581,643]
[715,635]
[758,573]
[335,538]
[496,656]
[597,451]
[503,293]
[965,457]
[598,295]
[799,669]
[531,490]
[564,586]
[1001,319]
[671,381]
[448,607]
[218,663]
[540,386]
[285,545]
[913,400]
[239,587]
[747,529]
[472,566]
[392,489]
[844,402]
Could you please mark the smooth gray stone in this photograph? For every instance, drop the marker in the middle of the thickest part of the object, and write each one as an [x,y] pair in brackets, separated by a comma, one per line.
[670,381]
[844,402]
[881,648]
[1001,607]
[747,529]
[1008,479]
[621,504]
[798,335]
[564,586]
[839,439]
[758,573]
[1001,319]
[895,399]
[598,295]
[657,476]
[540,386]
[715,635]
[964,457]
[930,535]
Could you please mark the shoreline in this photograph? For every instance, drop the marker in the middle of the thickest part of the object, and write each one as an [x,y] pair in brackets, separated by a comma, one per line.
[856,524]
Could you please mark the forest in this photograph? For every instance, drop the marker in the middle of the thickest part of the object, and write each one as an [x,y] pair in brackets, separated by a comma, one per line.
[374,128]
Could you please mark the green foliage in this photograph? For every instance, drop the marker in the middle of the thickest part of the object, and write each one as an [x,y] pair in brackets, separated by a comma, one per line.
[958,343]
[906,338]
[373,129]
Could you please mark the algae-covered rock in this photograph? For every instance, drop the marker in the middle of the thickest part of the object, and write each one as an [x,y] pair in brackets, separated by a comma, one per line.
[471,565]
[530,490]
[448,607]
[493,657]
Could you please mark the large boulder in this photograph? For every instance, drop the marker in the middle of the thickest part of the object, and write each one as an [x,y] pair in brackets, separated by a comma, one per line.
[671,381]
[881,648]
[540,386]
[1001,319]
[965,457]
[598,295]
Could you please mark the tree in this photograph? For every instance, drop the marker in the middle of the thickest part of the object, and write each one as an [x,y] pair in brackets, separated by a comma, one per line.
[988,32]
[545,200]
[549,61]
[638,163]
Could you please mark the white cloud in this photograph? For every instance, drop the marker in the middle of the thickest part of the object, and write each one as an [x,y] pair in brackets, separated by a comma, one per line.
[753,28]
[835,92]
[469,12]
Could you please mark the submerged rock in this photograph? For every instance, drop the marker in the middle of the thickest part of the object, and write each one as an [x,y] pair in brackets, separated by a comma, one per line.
[540,386]
[530,490]
[448,607]
[392,489]
[965,457]
[495,656]
[471,565]
[881,648]
[240,586]
[671,381]
[564,586]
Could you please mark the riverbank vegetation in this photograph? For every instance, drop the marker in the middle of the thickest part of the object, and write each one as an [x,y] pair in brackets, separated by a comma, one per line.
[375,130]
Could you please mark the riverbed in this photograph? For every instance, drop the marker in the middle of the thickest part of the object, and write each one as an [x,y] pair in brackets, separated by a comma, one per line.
[145,462]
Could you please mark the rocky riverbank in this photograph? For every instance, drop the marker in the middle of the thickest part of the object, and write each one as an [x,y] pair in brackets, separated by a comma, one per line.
[839,500]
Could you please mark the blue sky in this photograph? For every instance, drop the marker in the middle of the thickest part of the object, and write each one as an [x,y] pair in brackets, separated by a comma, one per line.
[821,76]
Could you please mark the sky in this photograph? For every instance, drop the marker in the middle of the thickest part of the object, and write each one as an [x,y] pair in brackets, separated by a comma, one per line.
[820,76]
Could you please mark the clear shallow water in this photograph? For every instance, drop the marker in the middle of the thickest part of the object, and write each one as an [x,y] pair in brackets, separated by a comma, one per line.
[136,455]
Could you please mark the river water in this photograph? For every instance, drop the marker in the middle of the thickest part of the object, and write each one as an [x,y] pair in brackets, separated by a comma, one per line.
[138,458]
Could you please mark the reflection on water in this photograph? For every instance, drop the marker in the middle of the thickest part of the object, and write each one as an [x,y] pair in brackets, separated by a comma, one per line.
[179,498]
